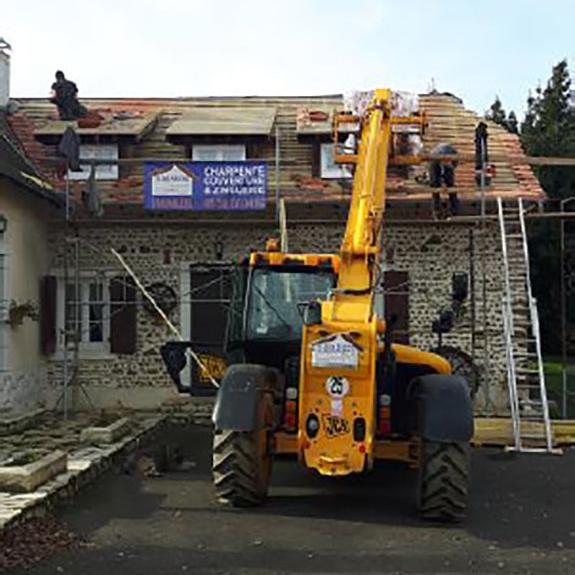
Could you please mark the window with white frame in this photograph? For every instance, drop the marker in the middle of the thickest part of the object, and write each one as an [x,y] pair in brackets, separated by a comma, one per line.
[218,152]
[84,312]
[97,152]
[329,169]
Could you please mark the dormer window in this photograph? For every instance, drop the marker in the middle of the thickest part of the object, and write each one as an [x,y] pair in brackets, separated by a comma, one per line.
[109,138]
[314,127]
[218,152]
[97,152]
[329,169]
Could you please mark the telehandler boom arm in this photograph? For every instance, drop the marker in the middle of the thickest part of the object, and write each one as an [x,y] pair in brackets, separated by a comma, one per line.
[339,387]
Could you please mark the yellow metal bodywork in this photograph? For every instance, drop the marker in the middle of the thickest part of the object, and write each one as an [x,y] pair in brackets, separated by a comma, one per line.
[414,356]
[489,432]
[277,258]
[338,396]
[393,449]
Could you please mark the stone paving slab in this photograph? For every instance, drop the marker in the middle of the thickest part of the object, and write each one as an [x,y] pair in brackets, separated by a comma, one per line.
[85,463]
[106,434]
[10,424]
[26,478]
[44,431]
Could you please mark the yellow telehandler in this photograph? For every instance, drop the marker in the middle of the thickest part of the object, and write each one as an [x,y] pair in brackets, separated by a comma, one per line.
[313,371]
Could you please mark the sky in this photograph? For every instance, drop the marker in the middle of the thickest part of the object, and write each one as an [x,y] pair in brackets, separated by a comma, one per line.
[476,49]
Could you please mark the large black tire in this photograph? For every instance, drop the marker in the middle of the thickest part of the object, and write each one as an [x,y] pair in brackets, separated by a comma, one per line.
[443,481]
[242,462]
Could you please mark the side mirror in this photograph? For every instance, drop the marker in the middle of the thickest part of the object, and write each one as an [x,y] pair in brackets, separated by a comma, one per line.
[174,355]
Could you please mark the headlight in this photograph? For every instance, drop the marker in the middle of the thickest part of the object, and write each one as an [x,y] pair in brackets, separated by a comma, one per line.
[291,393]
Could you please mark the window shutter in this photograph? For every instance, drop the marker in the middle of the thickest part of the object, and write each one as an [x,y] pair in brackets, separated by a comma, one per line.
[123,317]
[48,295]
[316,161]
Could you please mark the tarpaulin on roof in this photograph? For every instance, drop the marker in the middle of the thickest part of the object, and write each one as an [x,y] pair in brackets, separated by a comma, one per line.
[224,121]
[118,124]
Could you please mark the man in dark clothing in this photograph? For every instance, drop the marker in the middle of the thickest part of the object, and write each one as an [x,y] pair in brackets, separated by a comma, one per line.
[64,95]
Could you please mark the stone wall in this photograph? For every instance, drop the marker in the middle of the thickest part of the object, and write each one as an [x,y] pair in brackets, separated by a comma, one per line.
[22,390]
[430,253]
[26,258]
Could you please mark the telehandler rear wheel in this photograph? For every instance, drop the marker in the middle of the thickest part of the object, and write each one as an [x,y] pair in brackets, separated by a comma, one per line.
[242,460]
[443,481]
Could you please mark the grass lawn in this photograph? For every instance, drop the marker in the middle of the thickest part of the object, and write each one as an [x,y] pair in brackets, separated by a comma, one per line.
[554,381]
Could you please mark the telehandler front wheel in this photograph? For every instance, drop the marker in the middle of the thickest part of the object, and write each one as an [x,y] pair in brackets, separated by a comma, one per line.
[242,461]
[443,481]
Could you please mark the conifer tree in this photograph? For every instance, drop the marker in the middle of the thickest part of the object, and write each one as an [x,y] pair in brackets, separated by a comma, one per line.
[496,113]
[549,130]
[512,123]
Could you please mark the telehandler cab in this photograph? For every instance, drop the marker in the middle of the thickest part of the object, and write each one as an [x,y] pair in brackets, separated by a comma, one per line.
[313,371]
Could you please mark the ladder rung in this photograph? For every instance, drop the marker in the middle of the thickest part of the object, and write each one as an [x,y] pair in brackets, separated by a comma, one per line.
[529,407]
[539,415]
[525,449]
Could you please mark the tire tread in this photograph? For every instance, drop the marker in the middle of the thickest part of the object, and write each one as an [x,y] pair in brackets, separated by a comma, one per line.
[444,478]
[235,468]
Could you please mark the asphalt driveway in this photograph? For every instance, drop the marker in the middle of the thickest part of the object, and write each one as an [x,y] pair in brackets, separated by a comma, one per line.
[522,520]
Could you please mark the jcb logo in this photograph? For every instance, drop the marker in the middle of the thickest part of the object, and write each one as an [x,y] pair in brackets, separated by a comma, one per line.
[335,426]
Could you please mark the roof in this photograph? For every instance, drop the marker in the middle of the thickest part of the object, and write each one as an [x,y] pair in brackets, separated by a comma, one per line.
[135,124]
[448,122]
[15,166]
[213,121]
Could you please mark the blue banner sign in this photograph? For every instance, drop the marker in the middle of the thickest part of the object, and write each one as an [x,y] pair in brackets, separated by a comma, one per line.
[205,185]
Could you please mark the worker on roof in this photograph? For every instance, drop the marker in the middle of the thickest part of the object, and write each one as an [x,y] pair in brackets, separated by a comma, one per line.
[64,95]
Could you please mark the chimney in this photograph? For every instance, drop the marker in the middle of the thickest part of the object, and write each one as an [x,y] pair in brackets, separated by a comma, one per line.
[4,73]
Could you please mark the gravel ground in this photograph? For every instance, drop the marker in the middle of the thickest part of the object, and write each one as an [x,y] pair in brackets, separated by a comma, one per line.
[521,521]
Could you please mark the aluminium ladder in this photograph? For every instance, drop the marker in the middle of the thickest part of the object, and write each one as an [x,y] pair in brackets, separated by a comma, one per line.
[525,375]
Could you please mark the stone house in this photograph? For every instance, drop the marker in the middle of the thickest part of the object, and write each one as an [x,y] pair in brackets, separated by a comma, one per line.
[185,257]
